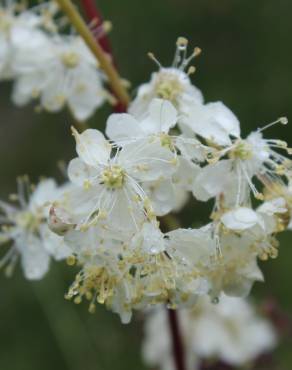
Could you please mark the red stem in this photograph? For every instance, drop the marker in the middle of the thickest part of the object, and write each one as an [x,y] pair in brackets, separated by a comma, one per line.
[177,343]
[93,14]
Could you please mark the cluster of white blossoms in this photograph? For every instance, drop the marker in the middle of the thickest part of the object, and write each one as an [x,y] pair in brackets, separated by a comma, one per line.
[56,69]
[25,229]
[230,331]
[169,147]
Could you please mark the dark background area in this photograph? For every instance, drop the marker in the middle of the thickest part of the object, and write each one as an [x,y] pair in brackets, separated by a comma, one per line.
[246,63]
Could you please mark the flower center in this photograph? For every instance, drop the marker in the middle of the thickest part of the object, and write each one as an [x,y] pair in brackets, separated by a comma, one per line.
[113,177]
[70,59]
[166,141]
[242,150]
[29,221]
[168,87]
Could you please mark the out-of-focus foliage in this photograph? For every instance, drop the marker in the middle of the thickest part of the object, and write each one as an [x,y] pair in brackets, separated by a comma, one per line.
[246,63]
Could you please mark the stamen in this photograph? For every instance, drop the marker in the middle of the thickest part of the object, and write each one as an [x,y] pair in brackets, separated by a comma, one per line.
[197,51]
[281,120]
[191,70]
[152,57]
[182,43]
[101,30]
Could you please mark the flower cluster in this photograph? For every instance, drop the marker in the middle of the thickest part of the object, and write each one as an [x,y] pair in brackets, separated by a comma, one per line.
[55,68]
[25,229]
[170,146]
[231,331]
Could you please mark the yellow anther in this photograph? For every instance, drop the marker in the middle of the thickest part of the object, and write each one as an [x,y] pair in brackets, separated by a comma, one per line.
[283,120]
[113,177]
[197,51]
[92,308]
[182,41]
[70,59]
[77,299]
[191,70]
[71,260]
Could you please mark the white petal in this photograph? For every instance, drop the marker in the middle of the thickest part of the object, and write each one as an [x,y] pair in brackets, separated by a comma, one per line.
[150,239]
[273,206]
[162,195]
[213,122]
[241,219]
[54,93]
[127,214]
[79,172]
[34,258]
[44,192]
[148,160]
[212,179]
[186,173]
[162,116]
[224,117]
[92,147]
[54,244]
[86,96]
[194,245]
[122,126]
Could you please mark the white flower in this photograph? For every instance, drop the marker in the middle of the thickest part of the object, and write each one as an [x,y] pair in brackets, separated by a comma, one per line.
[232,178]
[27,231]
[239,335]
[171,83]
[225,262]
[157,122]
[136,272]
[11,22]
[123,275]
[60,71]
[109,185]
[230,331]
[259,226]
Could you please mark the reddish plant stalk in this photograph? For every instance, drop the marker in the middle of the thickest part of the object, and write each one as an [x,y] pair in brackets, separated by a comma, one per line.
[177,342]
[94,15]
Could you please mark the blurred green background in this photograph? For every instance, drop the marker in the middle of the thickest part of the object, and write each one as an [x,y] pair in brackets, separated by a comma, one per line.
[246,63]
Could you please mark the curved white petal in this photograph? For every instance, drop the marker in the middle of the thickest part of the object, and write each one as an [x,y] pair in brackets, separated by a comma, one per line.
[148,160]
[213,121]
[162,116]
[241,219]
[162,195]
[212,179]
[79,172]
[122,126]
[92,147]
[224,117]
[34,258]
[44,192]
[85,97]
[54,244]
